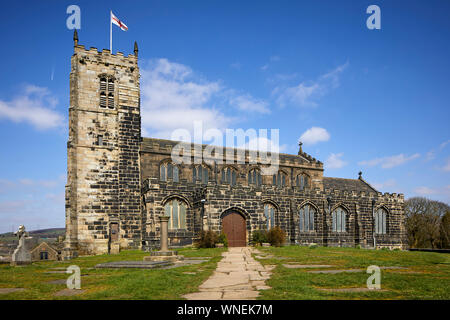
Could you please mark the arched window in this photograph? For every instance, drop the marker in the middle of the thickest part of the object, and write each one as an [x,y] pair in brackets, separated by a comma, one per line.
[279,179]
[200,173]
[168,171]
[306,217]
[380,221]
[176,210]
[339,217]
[302,181]
[254,177]
[229,176]
[269,213]
[107,92]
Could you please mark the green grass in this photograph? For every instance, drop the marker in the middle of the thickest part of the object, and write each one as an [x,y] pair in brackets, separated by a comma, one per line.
[431,280]
[427,276]
[110,283]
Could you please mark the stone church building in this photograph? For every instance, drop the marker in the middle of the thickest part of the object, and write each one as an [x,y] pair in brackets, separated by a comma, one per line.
[119,183]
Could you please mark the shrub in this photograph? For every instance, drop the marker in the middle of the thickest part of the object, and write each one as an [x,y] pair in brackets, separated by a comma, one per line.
[276,237]
[259,236]
[208,239]
[223,239]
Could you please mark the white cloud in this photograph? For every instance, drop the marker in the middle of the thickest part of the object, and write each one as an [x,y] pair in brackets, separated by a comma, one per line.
[306,93]
[174,96]
[35,106]
[441,193]
[334,161]
[389,162]
[264,144]
[431,155]
[443,144]
[386,184]
[248,103]
[271,59]
[425,191]
[236,65]
[446,167]
[314,135]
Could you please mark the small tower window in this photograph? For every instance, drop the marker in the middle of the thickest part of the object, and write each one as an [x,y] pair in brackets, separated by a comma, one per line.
[100,140]
[107,92]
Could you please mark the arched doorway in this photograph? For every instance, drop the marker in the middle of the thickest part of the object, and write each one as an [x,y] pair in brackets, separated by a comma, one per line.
[233,225]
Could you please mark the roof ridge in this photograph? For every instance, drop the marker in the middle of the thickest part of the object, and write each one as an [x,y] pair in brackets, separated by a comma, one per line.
[304,155]
[368,184]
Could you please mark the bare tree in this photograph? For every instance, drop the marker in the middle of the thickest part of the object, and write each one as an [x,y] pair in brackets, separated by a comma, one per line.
[424,222]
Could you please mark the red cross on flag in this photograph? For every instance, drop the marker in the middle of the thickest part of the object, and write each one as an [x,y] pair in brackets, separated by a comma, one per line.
[118,23]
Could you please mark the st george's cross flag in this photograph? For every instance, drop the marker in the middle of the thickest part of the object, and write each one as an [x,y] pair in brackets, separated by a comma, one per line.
[118,23]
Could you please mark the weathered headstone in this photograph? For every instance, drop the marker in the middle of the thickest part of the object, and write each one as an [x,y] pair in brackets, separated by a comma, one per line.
[21,255]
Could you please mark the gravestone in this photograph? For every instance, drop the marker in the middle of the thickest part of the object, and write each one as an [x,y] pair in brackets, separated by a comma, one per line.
[21,255]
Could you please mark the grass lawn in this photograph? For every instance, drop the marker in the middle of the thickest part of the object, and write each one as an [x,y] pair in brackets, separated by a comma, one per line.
[427,275]
[110,283]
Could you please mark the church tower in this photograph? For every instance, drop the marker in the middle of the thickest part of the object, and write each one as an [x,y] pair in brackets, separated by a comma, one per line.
[103,168]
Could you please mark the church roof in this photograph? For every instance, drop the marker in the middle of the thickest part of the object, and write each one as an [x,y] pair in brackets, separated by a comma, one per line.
[148,143]
[347,184]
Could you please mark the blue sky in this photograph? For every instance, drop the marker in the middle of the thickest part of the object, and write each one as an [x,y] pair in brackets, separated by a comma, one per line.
[369,100]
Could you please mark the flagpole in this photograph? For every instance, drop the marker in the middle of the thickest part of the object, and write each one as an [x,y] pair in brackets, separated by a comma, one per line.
[110,32]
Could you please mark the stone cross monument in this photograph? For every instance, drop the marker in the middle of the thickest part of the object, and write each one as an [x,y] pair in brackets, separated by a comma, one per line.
[164,254]
[21,255]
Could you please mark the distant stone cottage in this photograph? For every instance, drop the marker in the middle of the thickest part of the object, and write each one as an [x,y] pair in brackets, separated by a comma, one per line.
[120,183]
[45,251]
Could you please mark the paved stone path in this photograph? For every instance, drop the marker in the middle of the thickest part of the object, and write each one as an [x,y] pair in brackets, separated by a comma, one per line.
[238,277]
[305,266]
[10,290]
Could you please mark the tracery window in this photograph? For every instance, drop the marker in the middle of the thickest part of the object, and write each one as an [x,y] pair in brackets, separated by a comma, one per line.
[200,173]
[229,176]
[380,221]
[279,179]
[339,220]
[306,218]
[269,213]
[169,171]
[254,177]
[176,210]
[302,181]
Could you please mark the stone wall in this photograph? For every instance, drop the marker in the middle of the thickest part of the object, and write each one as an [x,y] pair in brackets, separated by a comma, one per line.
[249,200]
[103,181]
